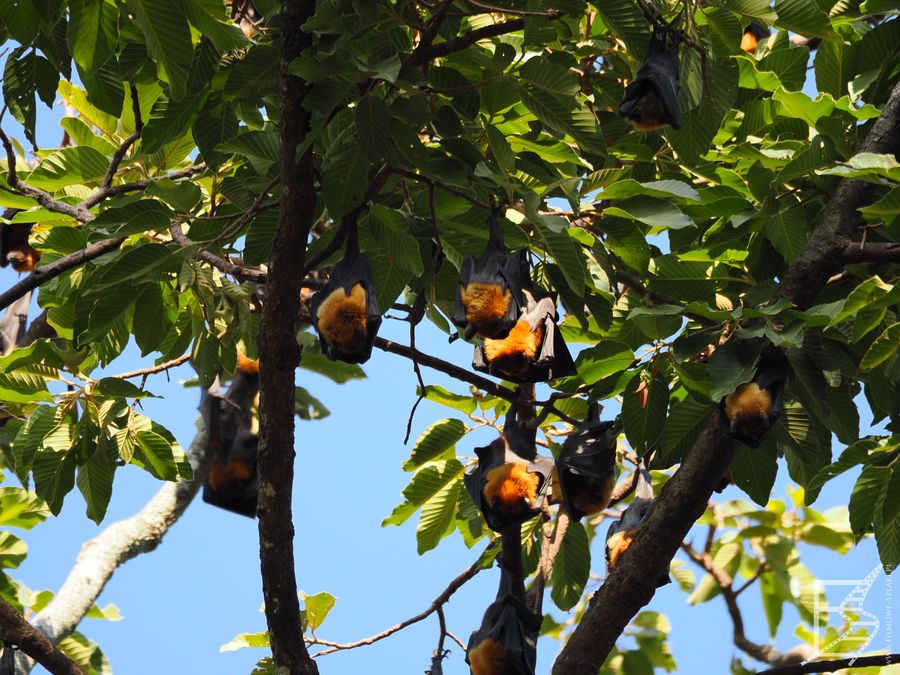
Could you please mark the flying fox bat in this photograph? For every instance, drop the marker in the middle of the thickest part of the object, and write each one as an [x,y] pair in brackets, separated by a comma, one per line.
[621,532]
[586,466]
[534,350]
[651,100]
[489,295]
[753,33]
[345,311]
[510,482]
[753,408]
[232,484]
[14,247]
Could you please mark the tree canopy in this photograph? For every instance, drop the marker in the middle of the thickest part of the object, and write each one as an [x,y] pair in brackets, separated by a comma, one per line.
[217,162]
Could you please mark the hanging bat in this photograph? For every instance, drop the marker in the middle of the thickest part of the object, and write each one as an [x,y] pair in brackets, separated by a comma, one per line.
[621,532]
[489,295]
[506,641]
[753,408]
[753,33]
[14,247]
[232,483]
[510,482]
[586,466]
[534,350]
[651,100]
[345,311]
[246,16]
[8,659]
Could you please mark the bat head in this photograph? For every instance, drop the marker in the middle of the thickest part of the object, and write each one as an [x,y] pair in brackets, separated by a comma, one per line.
[751,36]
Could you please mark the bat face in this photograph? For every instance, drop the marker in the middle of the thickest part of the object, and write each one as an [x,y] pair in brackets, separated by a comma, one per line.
[487,658]
[533,351]
[749,42]
[586,466]
[510,489]
[651,99]
[15,249]
[753,408]
[489,295]
[345,312]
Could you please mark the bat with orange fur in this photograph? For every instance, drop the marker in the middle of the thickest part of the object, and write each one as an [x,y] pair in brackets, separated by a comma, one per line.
[15,249]
[752,35]
[510,482]
[651,99]
[753,408]
[489,295]
[345,311]
[621,532]
[506,641]
[586,466]
[232,484]
[534,350]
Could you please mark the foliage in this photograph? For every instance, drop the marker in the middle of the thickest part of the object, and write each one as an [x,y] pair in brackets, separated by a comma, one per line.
[663,248]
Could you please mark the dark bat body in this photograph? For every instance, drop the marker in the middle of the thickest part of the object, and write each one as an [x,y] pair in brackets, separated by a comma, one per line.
[14,247]
[533,351]
[489,295]
[506,642]
[232,483]
[586,466]
[753,33]
[345,312]
[753,408]
[510,482]
[621,532]
[651,100]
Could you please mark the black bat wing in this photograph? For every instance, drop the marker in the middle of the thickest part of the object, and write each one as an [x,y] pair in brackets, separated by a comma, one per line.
[465,276]
[758,31]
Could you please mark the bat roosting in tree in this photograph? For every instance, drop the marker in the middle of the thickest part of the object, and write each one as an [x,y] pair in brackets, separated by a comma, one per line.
[621,532]
[753,408]
[232,483]
[489,296]
[506,642]
[14,246]
[345,311]
[510,482]
[753,33]
[651,100]
[586,466]
[534,350]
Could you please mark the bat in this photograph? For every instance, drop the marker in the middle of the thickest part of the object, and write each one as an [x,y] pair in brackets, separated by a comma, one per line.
[14,247]
[8,659]
[246,365]
[621,532]
[232,483]
[506,641]
[753,33]
[489,295]
[345,311]
[753,408]
[651,99]
[533,351]
[586,466]
[510,482]
[246,16]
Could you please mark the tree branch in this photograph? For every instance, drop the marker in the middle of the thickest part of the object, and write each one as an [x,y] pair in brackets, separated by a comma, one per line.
[16,630]
[425,52]
[824,253]
[99,195]
[279,356]
[224,266]
[45,273]
[834,666]
[120,152]
[879,252]
[436,604]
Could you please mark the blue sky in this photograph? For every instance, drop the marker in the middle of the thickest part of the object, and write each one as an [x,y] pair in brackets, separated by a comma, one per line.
[201,586]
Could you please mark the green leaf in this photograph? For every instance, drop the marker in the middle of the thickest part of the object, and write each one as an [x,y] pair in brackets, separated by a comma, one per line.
[344,174]
[434,442]
[604,359]
[883,348]
[567,253]
[245,641]
[887,521]
[317,608]
[308,407]
[438,394]
[373,126]
[426,483]
[572,567]
[95,481]
[69,166]
[168,39]
[142,262]
[159,456]
[21,508]
[802,16]
[653,212]
[730,366]
[864,497]
[438,516]
[754,470]
[93,33]
[683,426]
[12,551]
[27,74]
[644,404]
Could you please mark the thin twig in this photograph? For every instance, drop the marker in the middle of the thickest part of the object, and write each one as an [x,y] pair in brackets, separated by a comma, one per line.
[120,152]
[143,372]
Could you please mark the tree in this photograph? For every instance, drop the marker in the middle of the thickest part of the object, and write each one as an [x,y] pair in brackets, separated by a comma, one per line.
[208,180]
